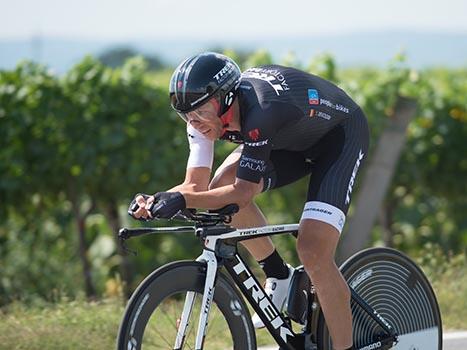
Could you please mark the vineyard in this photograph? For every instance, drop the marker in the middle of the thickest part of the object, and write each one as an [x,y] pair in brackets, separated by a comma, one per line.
[75,148]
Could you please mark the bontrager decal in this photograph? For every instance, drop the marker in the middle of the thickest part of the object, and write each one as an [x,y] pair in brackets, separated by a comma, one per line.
[229,98]
[138,311]
[132,343]
[320,210]
[236,307]
[324,212]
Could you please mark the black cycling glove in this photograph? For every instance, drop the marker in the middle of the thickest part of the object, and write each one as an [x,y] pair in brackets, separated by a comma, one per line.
[167,204]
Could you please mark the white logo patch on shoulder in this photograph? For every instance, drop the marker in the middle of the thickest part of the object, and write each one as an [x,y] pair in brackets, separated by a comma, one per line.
[272,76]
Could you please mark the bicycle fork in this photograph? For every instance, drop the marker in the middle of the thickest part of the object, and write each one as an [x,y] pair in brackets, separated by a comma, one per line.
[208,295]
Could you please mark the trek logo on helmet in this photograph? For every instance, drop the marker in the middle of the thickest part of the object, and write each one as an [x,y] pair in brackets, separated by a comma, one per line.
[224,72]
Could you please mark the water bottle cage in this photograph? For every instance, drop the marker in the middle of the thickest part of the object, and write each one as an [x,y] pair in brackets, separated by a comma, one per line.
[297,300]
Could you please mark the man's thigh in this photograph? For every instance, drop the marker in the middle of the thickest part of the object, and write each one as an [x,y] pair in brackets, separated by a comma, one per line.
[227,171]
[341,155]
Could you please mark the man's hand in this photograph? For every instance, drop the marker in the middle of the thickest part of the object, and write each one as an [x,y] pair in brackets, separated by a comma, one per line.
[140,205]
[161,205]
[168,204]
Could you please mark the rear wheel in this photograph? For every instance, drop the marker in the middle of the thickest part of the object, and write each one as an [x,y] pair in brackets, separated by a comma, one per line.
[395,287]
[153,314]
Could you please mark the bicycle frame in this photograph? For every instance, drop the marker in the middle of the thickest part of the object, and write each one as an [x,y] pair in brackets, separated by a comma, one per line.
[220,249]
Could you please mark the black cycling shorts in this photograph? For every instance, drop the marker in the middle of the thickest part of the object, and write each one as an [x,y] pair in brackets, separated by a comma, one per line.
[333,163]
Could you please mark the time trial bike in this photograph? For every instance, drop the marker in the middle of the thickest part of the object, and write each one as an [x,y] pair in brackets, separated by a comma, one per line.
[201,304]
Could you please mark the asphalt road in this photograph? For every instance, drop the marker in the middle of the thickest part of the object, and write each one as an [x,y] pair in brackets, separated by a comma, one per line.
[455,341]
[451,341]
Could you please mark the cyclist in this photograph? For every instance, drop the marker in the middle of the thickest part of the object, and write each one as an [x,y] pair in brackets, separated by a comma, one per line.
[289,124]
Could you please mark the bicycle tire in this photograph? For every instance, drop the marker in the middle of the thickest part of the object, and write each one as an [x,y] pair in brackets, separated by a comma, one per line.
[181,277]
[393,285]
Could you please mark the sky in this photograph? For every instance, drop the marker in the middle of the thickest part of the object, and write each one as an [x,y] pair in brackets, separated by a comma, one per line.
[214,19]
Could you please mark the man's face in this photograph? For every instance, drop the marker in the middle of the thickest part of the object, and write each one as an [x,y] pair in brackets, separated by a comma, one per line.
[205,120]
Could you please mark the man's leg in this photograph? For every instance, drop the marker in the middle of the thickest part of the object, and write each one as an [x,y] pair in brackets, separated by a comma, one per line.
[316,246]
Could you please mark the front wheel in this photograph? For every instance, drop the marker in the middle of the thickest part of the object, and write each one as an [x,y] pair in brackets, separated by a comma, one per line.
[394,286]
[153,314]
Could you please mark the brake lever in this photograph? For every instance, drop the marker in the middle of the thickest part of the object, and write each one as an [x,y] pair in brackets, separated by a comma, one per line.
[122,237]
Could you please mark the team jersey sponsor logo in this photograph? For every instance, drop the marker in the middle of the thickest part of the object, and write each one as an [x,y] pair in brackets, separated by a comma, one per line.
[254,134]
[336,106]
[313,97]
[257,144]
[352,177]
[315,113]
[272,76]
[252,164]
[342,108]
[318,210]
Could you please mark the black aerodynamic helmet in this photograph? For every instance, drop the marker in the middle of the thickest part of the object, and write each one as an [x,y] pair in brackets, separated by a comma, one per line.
[201,77]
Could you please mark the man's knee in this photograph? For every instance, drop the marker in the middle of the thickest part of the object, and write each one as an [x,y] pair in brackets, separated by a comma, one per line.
[309,253]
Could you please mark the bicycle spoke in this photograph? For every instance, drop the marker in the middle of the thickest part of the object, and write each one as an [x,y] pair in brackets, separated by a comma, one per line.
[212,318]
[164,324]
[189,334]
[169,319]
[165,340]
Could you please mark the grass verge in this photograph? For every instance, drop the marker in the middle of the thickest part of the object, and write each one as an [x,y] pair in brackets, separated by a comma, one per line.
[80,325]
